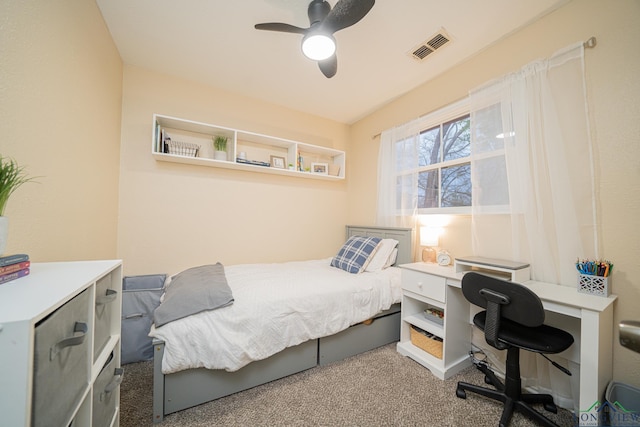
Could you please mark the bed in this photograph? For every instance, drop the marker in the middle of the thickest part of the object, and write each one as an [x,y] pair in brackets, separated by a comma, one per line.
[186,377]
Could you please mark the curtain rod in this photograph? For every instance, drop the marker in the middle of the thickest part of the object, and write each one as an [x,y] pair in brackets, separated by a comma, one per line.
[589,44]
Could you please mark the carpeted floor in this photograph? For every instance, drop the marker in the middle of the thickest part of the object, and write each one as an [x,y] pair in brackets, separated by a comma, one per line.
[377,388]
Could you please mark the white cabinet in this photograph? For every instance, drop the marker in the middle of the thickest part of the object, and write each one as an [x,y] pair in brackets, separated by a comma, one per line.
[445,348]
[60,345]
[245,150]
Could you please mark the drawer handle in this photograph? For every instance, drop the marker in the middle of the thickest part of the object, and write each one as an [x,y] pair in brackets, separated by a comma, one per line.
[134,316]
[80,328]
[117,380]
[108,298]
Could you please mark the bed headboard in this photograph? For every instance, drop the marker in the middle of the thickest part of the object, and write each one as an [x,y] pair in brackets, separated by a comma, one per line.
[402,235]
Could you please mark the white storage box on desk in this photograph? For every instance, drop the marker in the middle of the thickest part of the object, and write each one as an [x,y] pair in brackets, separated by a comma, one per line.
[514,271]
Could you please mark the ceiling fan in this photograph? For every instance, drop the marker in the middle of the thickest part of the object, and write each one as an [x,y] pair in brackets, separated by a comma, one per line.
[318,42]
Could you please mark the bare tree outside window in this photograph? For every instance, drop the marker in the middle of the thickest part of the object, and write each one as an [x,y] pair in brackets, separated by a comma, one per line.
[443,156]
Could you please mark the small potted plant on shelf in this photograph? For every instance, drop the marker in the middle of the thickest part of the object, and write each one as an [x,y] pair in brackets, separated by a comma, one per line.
[220,147]
[12,176]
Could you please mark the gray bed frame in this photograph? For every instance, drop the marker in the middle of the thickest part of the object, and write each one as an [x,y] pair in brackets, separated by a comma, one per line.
[185,389]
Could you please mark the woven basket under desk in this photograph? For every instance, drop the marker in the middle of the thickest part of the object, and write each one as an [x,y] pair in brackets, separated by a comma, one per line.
[430,345]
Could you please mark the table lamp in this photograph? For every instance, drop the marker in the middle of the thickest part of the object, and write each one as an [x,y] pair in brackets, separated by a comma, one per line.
[429,239]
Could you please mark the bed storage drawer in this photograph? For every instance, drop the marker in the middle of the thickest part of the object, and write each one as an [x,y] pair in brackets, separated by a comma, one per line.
[360,338]
[105,393]
[61,362]
[105,296]
[194,386]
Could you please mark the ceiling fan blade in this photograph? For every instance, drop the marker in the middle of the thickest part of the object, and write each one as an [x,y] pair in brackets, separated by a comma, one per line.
[278,26]
[329,66]
[346,13]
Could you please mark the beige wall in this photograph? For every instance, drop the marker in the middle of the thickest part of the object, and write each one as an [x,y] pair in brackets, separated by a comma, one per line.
[612,71]
[174,216]
[61,96]
[60,106]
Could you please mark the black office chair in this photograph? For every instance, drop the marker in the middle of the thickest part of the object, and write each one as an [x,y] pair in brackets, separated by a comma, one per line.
[513,319]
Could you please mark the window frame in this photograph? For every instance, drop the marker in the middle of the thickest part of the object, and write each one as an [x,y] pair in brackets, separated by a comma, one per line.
[429,121]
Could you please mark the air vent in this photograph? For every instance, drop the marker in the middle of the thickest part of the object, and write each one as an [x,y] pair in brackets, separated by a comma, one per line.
[436,42]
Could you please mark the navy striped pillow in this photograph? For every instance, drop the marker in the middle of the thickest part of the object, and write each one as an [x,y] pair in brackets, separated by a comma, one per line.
[356,253]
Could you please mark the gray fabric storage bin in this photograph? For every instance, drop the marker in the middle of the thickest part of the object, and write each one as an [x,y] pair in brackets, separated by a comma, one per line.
[102,321]
[140,297]
[61,362]
[104,393]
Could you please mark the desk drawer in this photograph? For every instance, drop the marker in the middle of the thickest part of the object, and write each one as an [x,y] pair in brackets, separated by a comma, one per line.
[424,284]
[61,362]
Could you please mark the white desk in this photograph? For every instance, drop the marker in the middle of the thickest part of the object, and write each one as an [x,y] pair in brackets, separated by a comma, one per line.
[593,347]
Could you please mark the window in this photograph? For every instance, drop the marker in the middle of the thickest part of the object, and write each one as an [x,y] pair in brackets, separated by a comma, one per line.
[445,180]
[447,162]
[438,161]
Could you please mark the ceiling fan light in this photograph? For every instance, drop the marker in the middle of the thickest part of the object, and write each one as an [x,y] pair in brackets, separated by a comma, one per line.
[318,46]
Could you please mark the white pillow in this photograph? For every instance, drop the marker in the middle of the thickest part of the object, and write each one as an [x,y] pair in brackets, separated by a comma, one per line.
[382,255]
[392,258]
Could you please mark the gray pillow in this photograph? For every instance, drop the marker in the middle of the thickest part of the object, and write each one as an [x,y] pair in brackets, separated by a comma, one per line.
[193,291]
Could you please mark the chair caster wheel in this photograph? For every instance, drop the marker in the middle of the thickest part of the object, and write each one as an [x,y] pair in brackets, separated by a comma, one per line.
[461,393]
[487,380]
[551,407]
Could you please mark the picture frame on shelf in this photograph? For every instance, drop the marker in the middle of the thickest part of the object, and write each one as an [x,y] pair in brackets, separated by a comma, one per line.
[320,168]
[278,162]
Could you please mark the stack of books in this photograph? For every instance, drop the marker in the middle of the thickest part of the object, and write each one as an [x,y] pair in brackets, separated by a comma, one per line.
[13,267]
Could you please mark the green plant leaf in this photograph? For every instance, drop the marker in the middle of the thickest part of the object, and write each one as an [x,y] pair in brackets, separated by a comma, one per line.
[12,176]
[220,143]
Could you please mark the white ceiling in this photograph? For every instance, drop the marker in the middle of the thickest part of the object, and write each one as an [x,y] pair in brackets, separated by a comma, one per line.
[214,42]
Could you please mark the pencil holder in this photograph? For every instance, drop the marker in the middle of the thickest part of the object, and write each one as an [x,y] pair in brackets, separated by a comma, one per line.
[594,285]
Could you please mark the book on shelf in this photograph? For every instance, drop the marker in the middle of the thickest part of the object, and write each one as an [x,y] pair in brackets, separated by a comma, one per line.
[14,267]
[13,259]
[4,278]
[157,139]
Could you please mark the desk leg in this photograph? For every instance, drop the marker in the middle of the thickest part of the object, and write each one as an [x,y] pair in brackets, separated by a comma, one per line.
[596,356]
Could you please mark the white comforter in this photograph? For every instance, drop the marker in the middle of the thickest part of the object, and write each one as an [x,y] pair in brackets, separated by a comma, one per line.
[275,306]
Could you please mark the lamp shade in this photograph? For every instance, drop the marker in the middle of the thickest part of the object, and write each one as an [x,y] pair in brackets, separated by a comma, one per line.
[318,46]
[429,236]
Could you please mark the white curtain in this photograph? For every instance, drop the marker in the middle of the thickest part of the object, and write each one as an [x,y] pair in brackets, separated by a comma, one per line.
[532,172]
[533,184]
[398,163]
[539,171]
[398,147]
